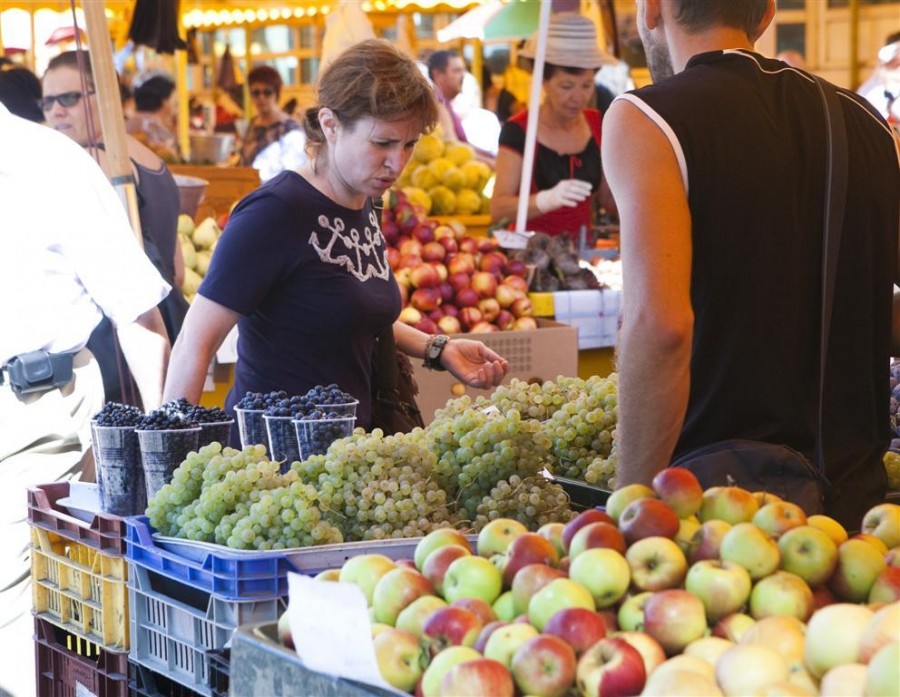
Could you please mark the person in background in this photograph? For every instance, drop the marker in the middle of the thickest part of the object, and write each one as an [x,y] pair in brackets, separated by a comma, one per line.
[20,92]
[273,137]
[74,258]
[567,171]
[793,58]
[882,89]
[722,256]
[70,112]
[154,122]
[497,98]
[302,267]
[446,70]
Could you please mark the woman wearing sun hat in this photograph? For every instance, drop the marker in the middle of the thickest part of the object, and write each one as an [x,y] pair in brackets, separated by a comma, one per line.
[567,169]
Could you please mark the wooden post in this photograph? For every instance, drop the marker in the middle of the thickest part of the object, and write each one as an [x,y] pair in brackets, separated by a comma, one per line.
[109,104]
[854,44]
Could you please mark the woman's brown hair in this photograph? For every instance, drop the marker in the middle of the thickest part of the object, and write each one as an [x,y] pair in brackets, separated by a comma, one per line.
[371,79]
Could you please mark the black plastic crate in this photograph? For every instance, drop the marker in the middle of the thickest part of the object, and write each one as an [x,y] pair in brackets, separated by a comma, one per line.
[219,671]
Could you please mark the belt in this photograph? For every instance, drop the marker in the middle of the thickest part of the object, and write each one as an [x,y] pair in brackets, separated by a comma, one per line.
[37,371]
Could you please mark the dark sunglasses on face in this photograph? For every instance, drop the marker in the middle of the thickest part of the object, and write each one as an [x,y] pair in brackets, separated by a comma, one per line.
[262,93]
[66,99]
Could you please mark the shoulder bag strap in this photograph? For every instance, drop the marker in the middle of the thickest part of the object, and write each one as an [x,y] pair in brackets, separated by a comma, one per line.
[835,203]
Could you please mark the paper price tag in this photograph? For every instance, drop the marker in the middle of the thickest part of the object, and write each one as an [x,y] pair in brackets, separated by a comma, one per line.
[331,629]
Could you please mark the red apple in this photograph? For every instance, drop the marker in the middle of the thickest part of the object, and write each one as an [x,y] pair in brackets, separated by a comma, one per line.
[597,535]
[436,563]
[436,314]
[648,518]
[442,232]
[490,308]
[469,316]
[461,263]
[424,276]
[458,281]
[425,299]
[401,658]
[449,244]
[506,295]
[525,324]
[707,540]
[450,626]
[466,298]
[485,634]
[424,232]
[433,251]
[441,270]
[481,676]
[447,292]
[886,588]
[517,281]
[487,245]
[577,626]
[611,668]
[529,548]
[674,618]
[411,247]
[483,327]
[493,263]
[449,325]
[478,607]
[591,515]
[544,665]
[680,489]
[468,245]
[649,648]
[409,261]
[426,325]
[393,256]
[410,315]
[522,307]
[516,268]
[505,320]
[395,590]
[450,309]
[733,626]
[485,285]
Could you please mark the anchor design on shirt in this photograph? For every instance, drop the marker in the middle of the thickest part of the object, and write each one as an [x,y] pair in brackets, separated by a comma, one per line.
[364,259]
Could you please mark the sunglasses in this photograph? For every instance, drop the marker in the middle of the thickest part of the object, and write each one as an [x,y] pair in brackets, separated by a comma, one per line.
[262,93]
[66,99]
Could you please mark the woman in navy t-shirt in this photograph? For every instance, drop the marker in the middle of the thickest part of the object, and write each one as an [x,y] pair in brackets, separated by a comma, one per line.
[302,267]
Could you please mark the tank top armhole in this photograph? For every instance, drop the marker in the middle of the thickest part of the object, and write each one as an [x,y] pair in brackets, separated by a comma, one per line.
[664,126]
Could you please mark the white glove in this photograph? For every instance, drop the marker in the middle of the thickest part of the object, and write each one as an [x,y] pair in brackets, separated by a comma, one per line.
[568,193]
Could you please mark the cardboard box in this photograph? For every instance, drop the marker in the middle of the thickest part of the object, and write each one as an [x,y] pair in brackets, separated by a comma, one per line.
[542,354]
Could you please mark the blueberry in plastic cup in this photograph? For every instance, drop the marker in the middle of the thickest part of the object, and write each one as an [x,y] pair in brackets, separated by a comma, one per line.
[346,409]
[162,452]
[316,435]
[251,427]
[120,473]
[215,432]
[282,439]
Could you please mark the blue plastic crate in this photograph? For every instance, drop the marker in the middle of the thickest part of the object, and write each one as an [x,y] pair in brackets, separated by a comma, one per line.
[239,574]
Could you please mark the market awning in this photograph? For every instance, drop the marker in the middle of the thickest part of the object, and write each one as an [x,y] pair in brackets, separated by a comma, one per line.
[471,24]
[518,20]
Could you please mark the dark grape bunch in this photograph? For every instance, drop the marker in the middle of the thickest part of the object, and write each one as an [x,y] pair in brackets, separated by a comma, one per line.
[117,414]
[194,412]
[164,420]
[328,395]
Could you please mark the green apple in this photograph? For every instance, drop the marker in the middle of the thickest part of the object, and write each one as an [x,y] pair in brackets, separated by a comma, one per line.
[630,616]
[781,593]
[708,648]
[504,641]
[365,570]
[687,528]
[883,521]
[733,626]
[656,563]
[829,526]
[748,669]
[329,575]
[396,590]
[472,577]
[559,593]
[619,499]
[833,636]
[674,618]
[729,503]
[401,658]
[808,552]
[883,672]
[529,581]
[434,540]
[859,564]
[441,664]
[779,517]
[722,586]
[438,561]
[604,572]
[679,680]
[496,536]
[886,587]
[843,680]
[505,608]
[413,616]
[752,548]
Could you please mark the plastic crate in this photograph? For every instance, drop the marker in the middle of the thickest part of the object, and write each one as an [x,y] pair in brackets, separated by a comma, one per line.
[63,662]
[581,494]
[264,666]
[80,589]
[219,671]
[174,625]
[106,532]
[242,575]
[143,682]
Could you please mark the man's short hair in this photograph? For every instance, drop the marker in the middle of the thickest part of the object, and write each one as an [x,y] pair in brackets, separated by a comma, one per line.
[698,15]
[437,61]
[151,94]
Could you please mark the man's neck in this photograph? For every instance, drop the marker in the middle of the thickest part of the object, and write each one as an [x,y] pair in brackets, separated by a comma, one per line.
[720,39]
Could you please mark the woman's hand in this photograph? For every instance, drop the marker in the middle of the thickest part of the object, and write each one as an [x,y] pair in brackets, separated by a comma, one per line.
[474,363]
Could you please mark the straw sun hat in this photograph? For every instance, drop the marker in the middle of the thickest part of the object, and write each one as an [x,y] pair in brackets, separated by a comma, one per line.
[571,43]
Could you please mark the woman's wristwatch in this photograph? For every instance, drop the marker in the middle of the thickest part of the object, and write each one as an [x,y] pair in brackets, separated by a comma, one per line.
[434,347]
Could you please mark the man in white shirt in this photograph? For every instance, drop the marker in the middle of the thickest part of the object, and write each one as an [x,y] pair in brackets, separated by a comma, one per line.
[70,255]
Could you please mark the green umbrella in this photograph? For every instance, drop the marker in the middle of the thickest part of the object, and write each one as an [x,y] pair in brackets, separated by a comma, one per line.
[518,20]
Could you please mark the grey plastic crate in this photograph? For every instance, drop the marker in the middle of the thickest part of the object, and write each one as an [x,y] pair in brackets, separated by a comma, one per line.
[173,625]
[261,665]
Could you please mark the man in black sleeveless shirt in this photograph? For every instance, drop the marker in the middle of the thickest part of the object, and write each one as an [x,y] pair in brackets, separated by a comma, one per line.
[718,171]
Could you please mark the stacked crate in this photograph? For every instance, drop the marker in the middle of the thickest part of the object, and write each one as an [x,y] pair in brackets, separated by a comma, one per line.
[80,598]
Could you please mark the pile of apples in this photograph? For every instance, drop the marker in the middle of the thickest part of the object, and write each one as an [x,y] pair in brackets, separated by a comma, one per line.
[670,590]
[449,281]
[197,245]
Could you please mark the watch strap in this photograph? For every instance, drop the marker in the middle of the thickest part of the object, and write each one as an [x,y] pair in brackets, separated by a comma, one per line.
[434,347]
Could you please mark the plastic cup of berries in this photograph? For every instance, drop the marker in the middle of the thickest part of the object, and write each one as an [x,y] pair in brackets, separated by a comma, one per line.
[117,456]
[316,433]
[165,440]
[251,426]
[282,439]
